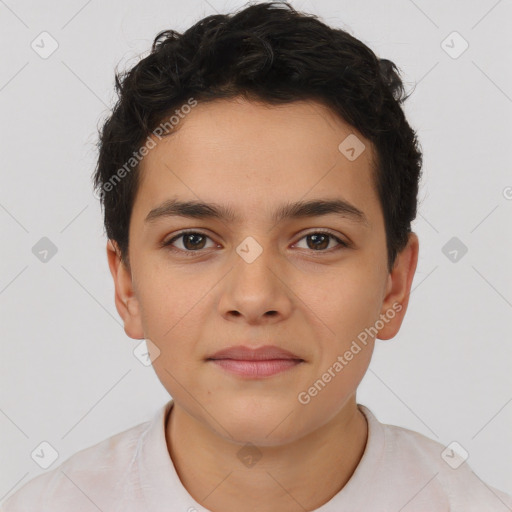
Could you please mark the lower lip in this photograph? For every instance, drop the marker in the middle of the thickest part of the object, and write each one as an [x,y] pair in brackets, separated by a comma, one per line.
[256,369]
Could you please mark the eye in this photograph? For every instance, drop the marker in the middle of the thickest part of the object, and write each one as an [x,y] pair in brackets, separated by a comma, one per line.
[194,241]
[320,241]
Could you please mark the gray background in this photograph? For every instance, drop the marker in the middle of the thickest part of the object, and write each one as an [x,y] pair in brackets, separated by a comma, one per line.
[69,376]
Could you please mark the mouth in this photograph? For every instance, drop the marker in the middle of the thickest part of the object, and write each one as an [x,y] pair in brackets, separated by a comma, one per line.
[255,363]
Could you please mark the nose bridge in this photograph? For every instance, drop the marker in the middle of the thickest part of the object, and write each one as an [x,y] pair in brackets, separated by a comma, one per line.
[254,286]
[256,261]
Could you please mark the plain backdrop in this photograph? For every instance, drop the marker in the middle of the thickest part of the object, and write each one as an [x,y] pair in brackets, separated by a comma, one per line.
[69,376]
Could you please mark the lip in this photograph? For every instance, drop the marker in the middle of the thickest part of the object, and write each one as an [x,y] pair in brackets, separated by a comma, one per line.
[243,353]
[255,363]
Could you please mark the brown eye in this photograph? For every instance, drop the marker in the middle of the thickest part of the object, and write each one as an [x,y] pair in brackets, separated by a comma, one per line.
[319,241]
[191,241]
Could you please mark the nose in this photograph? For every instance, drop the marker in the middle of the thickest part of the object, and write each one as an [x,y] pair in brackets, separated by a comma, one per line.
[256,291]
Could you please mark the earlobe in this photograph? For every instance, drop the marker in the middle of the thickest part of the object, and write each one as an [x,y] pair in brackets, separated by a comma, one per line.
[127,304]
[398,289]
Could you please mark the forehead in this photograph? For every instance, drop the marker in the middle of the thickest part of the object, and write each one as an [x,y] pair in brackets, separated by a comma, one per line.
[249,153]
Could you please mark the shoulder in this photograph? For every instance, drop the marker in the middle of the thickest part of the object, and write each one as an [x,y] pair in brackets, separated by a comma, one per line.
[88,477]
[444,469]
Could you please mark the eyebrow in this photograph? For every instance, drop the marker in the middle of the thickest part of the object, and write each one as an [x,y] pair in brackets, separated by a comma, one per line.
[300,209]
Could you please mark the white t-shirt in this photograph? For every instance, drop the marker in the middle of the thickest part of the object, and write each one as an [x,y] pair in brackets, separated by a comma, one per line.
[401,470]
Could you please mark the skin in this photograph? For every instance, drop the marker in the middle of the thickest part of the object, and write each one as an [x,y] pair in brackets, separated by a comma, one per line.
[254,157]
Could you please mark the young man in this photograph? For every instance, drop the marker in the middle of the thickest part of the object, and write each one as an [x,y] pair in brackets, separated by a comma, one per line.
[259,180]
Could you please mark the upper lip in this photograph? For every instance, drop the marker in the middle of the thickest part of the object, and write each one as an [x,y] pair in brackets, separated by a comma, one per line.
[241,352]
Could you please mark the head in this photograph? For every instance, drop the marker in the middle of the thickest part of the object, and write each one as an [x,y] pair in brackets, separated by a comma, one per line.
[260,113]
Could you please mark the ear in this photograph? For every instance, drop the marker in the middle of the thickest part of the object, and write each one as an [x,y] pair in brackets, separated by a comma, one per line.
[398,289]
[127,304]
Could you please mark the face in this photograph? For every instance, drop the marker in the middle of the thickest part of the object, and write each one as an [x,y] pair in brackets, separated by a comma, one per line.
[314,284]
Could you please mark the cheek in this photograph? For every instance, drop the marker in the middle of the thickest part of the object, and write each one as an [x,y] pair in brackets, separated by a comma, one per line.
[343,303]
[173,313]
[166,298]
[157,315]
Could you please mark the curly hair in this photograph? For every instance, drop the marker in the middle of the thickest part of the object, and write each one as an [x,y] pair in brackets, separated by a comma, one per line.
[272,53]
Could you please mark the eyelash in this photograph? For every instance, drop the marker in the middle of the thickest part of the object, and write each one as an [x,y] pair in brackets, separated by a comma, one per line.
[168,244]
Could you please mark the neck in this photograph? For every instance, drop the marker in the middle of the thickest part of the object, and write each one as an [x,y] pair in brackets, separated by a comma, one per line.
[303,474]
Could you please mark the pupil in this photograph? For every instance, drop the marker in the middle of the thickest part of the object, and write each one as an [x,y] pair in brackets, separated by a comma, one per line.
[315,237]
[189,238]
